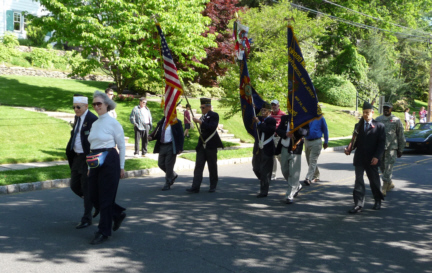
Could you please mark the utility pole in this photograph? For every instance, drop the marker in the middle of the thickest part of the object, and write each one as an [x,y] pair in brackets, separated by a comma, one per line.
[429,108]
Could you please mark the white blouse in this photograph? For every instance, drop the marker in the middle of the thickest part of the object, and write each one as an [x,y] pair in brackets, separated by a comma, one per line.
[106,132]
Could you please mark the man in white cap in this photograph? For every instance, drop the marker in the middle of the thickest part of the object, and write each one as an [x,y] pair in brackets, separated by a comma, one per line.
[77,149]
[276,113]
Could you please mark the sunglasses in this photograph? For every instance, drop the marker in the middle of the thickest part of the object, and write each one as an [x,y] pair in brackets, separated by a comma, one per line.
[96,104]
[77,107]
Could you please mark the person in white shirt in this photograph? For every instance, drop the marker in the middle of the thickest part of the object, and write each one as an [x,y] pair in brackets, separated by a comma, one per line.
[142,120]
[106,133]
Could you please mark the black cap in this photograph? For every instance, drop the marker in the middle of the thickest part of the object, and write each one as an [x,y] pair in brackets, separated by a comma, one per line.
[205,101]
[367,105]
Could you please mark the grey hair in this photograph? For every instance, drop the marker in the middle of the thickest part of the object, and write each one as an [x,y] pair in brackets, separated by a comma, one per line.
[109,102]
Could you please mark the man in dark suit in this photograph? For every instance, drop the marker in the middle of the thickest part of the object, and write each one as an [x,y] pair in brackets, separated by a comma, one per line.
[169,143]
[77,149]
[264,149]
[290,148]
[370,143]
[208,143]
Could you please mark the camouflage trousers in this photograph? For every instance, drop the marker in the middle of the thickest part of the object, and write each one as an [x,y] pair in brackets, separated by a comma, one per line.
[386,166]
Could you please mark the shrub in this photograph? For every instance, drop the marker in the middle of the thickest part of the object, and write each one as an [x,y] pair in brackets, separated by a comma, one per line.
[142,85]
[7,53]
[10,40]
[400,105]
[36,36]
[123,98]
[25,42]
[336,90]
[42,58]
[196,90]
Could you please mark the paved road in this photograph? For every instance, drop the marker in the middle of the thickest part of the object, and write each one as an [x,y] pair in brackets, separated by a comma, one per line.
[230,230]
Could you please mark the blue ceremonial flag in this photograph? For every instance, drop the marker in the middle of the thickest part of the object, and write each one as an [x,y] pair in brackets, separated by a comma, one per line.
[248,98]
[302,99]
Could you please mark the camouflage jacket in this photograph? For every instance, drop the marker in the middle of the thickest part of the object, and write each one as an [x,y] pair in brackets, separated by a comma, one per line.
[395,138]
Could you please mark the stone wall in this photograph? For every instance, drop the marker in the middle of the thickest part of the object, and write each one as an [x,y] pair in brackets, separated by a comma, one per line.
[23,71]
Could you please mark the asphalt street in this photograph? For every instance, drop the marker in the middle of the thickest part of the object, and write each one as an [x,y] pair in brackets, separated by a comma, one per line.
[230,230]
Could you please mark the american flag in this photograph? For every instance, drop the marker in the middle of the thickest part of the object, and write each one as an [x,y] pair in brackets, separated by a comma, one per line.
[173,88]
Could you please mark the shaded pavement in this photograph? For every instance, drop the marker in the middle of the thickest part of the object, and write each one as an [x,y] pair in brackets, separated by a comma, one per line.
[230,230]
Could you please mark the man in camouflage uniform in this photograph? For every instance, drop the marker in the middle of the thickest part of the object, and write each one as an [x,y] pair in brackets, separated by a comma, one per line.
[395,143]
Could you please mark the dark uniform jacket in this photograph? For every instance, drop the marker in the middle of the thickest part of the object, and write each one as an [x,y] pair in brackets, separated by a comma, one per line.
[177,136]
[300,133]
[369,144]
[85,131]
[268,127]
[208,126]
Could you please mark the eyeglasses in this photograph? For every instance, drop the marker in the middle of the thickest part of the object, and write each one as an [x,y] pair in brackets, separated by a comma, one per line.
[96,104]
[77,107]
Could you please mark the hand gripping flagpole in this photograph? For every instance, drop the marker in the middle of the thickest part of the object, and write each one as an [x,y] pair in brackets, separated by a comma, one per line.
[154,17]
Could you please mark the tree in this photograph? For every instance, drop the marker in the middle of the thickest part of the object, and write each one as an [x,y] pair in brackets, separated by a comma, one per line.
[220,12]
[119,36]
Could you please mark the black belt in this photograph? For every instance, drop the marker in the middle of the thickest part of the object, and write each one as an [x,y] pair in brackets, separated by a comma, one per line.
[101,150]
[313,139]
[166,143]
[79,154]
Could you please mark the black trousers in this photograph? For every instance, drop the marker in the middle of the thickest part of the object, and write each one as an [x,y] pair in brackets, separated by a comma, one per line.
[374,181]
[141,136]
[103,184]
[79,185]
[262,166]
[203,156]
[166,162]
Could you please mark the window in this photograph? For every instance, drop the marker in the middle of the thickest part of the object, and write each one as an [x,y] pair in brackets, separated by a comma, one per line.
[17,21]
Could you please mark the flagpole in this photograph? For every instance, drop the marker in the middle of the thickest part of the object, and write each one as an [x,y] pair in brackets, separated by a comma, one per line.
[154,17]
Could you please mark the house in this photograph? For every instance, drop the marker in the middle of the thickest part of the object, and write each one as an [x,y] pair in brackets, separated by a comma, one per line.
[12,19]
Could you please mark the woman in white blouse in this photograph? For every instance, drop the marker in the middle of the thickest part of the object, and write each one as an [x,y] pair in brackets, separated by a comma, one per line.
[106,132]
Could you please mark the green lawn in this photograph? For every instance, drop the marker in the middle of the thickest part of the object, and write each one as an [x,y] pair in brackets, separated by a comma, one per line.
[63,171]
[224,154]
[31,136]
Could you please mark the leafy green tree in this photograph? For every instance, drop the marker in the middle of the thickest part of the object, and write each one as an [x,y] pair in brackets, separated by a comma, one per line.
[120,37]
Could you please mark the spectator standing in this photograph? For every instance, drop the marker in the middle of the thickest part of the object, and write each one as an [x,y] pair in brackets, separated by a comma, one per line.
[187,120]
[313,144]
[77,149]
[422,115]
[407,118]
[276,113]
[142,120]
[110,94]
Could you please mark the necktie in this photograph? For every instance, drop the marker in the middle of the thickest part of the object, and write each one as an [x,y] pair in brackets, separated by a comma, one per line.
[77,124]
[367,126]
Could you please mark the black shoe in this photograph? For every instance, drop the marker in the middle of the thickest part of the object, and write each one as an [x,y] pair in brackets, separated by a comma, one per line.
[192,190]
[289,201]
[166,187]
[212,189]
[96,213]
[172,182]
[83,225]
[298,190]
[118,222]
[261,195]
[355,209]
[98,238]
[307,182]
[377,205]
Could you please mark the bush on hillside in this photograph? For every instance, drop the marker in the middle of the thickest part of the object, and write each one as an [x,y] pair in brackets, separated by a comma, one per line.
[7,53]
[400,105]
[195,90]
[9,40]
[25,42]
[36,36]
[336,90]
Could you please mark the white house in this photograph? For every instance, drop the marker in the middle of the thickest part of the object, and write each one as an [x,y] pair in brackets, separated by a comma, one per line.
[12,19]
